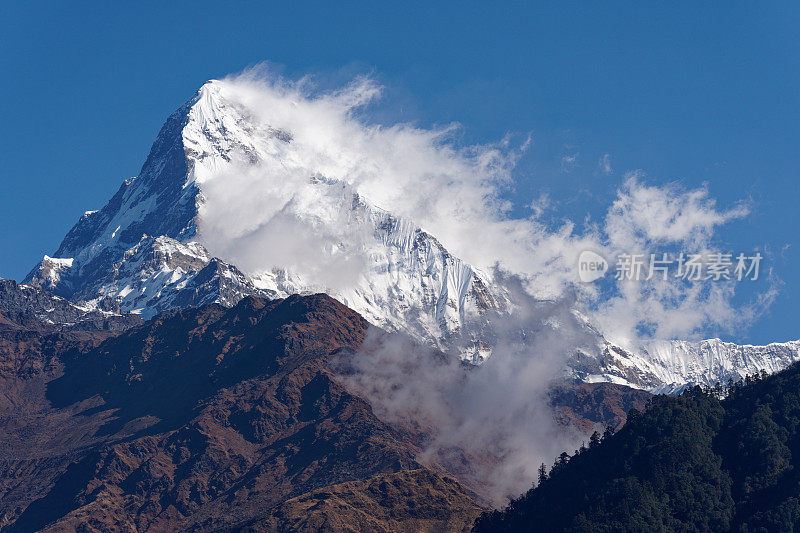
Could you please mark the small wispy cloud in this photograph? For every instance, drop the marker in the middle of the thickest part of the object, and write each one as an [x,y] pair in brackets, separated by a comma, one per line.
[540,205]
[604,164]
[569,162]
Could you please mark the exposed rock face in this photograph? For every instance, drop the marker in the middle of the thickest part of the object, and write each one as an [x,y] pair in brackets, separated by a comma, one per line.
[212,418]
[38,442]
[595,406]
[201,419]
[142,250]
[35,329]
[24,306]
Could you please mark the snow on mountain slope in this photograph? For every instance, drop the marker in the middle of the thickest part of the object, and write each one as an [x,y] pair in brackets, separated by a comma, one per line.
[669,366]
[153,247]
[407,270]
[405,280]
[160,273]
[29,307]
[710,361]
[48,274]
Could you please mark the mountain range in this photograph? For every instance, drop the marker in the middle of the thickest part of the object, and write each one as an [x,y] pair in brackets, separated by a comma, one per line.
[227,345]
[217,418]
[144,250]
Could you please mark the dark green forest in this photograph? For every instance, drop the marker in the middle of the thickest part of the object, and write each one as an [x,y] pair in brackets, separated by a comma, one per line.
[694,462]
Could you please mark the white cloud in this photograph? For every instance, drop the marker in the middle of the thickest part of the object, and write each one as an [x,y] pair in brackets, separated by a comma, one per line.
[569,162]
[604,164]
[646,214]
[255,214]
[647,219]
[496,418]
[454,193]
[540,205]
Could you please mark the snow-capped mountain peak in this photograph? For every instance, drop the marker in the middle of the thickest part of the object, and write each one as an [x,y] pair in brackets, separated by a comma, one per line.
[383,266]
[232,201]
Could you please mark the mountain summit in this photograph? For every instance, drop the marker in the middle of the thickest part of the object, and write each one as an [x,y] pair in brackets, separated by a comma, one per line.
[144,247]
[244,196]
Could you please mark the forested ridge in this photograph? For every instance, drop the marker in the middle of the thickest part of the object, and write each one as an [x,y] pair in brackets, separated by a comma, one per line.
[694,462]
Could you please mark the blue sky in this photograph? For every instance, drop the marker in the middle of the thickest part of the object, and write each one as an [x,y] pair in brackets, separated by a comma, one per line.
[688,92]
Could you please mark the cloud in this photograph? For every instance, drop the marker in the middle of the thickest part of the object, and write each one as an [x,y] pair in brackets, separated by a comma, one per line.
[278,204]
[604,164]
[268,212]
[495,418]
[646,219]
[540,205]
[569,162]
[269,217]
[646,214]
[414,173]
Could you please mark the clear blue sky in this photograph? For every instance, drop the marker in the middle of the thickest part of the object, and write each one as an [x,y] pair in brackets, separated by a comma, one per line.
[689,92]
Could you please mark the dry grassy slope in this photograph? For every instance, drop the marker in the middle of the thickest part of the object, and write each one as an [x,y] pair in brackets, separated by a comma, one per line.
[211,419]
[203,419]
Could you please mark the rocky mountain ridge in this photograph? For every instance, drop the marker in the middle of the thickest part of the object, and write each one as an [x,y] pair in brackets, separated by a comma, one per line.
[144,250]
[222,418]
